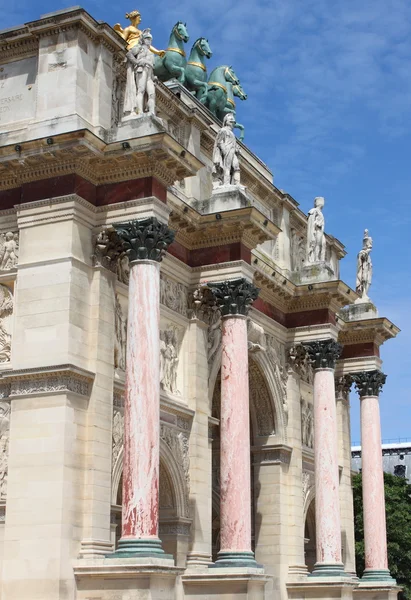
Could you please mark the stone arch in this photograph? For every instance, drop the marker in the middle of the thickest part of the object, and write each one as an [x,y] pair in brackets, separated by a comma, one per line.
[310,541]
[175,477]
[277,393]
[265,406]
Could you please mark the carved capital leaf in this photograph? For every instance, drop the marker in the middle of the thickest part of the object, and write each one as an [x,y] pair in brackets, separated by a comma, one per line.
[369,383]
[323,354]
[145,239]
[234,297]
[108,249]
[343,386]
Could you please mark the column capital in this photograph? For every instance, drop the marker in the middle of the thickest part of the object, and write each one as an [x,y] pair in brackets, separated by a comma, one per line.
[144,239]
[343,386]
[369,383]
[108,249]
[235,296]
[323,354]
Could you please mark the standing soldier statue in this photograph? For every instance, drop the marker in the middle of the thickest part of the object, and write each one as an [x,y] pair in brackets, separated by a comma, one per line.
[226,168]
[364,268]
[142,59]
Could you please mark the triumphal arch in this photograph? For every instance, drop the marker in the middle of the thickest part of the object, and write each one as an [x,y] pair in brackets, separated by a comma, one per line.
[176,345]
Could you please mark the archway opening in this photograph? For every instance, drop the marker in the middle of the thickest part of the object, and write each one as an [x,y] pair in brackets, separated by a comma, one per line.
[310,538]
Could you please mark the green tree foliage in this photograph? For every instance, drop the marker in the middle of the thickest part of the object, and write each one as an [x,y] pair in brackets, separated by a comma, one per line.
[398,509]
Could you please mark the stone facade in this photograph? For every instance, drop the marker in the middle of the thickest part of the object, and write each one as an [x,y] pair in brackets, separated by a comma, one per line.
[139,456]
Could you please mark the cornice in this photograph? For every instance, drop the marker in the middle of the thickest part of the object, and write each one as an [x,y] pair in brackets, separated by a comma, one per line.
[376,331]
[82,152]
[194,230]
[54,379]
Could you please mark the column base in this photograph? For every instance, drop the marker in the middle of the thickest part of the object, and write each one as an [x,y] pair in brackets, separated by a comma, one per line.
[235,559]
[328,570]
[378,575]
[139,548]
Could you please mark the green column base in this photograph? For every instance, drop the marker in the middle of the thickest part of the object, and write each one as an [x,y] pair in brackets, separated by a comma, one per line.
[378,575]
[329,570]
[139,548]
[235,559]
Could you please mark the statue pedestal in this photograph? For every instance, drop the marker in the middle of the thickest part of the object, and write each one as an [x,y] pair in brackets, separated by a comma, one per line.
[133,126]
[361,310]
[315,273]
[225,197]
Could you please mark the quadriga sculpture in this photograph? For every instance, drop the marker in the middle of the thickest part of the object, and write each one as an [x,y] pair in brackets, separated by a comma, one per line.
[217,94]
[196,71]
[173,63]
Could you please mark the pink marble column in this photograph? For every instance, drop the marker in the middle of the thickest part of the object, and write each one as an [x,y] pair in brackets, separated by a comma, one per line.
[145,242]
[234,298]
[323,355]
[369,384]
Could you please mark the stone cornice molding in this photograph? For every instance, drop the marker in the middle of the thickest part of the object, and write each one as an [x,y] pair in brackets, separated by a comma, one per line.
[323,354]
[84,153]
[369,383]
[46,380]
[376,331]
[194,230]
[273,454]
[234,297]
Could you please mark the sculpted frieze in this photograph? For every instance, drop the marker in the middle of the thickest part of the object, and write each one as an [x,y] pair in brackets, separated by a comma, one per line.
[173,295]
[120,341]
[6,310]
[117,434]
[9,250]
[169,358]
[307,424]
[4,446]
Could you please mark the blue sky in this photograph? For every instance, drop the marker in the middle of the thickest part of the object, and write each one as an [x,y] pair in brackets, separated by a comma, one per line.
[328,109]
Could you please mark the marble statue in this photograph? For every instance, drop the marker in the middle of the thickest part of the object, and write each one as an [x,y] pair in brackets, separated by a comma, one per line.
[226,168]
[132,35]
[169,360]
[315,233]
[142,60]
[9,250]
[364,268]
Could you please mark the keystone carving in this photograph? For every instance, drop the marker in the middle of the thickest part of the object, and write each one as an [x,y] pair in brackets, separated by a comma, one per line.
[369,383]
[323,354]
[145,239]
[234,297]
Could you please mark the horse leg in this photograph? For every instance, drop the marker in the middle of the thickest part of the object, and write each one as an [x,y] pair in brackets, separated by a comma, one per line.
[241,128]
[178,72]
[201,88]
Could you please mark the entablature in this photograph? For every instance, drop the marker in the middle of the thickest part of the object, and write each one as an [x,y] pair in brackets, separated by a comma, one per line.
[98,161]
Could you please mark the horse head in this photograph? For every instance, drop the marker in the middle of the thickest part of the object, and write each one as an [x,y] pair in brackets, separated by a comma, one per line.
[203,47]
[180,31]
[230,76]
[239,92]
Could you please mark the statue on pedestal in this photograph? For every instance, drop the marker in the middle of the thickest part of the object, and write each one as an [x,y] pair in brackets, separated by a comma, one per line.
[315,233]
[226,167]
[140,63]
[364,268]
[142,60]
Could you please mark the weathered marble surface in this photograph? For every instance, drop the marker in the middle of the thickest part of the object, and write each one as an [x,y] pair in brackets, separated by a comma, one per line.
[235,433]
[327,505]
[142,404]
[375,535]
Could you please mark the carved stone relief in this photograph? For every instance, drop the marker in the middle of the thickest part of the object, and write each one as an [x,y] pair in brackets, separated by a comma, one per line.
[120,341]
[6,310]
[118,434]
[178,442]
[9,250]
[307,424]
[169,358]
[261,400]
[297,250]
[4,446]
[308,483]
[256,336]
[276,355]
[214,335]
[166,497]
[173,295]
[299,362]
